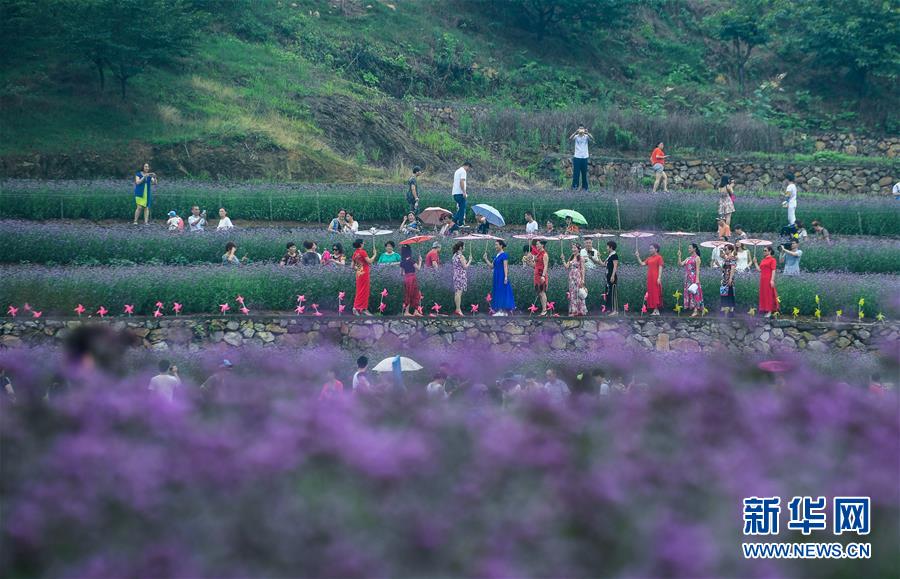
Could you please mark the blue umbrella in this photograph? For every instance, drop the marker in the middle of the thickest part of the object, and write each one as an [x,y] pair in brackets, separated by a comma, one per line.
[490,214]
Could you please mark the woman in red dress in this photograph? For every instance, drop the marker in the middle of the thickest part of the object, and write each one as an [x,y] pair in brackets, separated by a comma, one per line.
[654,263]
[361,264]
[768,295]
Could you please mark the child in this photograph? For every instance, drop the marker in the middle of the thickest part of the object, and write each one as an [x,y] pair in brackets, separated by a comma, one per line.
[175,223]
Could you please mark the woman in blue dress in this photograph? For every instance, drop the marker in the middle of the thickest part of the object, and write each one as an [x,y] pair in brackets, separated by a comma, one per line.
[502,302]
[143,182]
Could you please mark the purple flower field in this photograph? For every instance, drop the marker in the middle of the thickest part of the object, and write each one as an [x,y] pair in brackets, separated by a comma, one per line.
[258,478]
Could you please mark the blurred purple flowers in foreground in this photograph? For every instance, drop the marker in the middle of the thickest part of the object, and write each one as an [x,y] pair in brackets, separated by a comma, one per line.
[264,480]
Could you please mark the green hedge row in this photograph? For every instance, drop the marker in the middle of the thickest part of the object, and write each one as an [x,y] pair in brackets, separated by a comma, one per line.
[267,287]
[687,211]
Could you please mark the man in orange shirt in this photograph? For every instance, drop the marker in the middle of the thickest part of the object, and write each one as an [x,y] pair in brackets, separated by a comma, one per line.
[433,257]
[658,162]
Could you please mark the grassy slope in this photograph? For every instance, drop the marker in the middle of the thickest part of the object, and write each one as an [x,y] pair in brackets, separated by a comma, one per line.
[235,89]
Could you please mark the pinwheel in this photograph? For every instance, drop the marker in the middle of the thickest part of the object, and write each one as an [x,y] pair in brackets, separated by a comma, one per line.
[301,298]
[474,308]
[299,309]
[533,308]
[102,312]
[157,314]
[436,308]
[12,311]
[315,308]
[79,309]
[36,314]
[239,299]
[245,311]
[176,307]
[129,309]
[27,307]
[224,307]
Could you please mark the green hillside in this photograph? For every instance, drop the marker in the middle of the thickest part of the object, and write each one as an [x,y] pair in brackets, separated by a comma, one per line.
[318,90]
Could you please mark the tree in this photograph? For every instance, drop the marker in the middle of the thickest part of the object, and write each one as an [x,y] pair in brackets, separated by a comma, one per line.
[562,17]
[127,36]
[856,38]
[742,28]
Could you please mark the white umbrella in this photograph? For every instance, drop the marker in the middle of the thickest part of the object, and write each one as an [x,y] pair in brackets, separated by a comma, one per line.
[406,365]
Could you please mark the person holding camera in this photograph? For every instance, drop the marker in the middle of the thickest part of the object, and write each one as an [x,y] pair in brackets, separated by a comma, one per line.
[143,185]
[581,137]
[790,257]
[197,219]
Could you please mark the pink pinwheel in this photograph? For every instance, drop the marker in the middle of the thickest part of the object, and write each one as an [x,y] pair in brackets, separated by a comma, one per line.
[177,307]
[625,308]
[474,308]
[36,314]
[224,307]
[301,298]
[315,308]
[381,307]
[79,310]
[239,299]
[102,312]
[551,306]
[603,296]
[129,309]
[341,308]
[436,308]
[159,305]
[488,298]
[602,308]
[384,293]
[533,308]
[300,309]
[341,295]
[157,313]
[646,296]
[245,311]
[644,309]
[27,307]
[12,311]
[419,310]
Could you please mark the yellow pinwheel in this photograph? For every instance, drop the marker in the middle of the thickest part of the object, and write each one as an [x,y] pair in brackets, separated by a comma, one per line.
[861,302]
[862,314]
[839,313]
[677,295]
[818,314]
[817,299]
[880,317]
[796,312]
[751,312]
[705,310]
[677,308]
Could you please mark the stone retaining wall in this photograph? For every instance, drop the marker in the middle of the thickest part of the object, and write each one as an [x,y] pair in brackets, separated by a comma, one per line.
[850,144]
[749,175]
[499,334]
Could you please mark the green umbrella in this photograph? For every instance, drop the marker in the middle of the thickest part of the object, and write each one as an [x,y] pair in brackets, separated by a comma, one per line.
[576,216]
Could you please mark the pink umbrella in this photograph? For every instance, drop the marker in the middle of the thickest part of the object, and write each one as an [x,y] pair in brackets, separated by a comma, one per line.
[635,235]
[714,243]
[432,215]
[678,234]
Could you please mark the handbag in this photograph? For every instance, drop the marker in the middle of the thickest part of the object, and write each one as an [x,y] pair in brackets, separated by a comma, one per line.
[693,288]
[582,293]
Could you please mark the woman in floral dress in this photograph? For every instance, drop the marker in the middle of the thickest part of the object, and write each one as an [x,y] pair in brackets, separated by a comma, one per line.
[460,281]
[575,266]
[693,292]
[726,289]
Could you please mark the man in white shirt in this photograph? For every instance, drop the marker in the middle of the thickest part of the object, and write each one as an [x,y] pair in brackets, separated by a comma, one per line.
[460,194]
[224,220]
[361,382]
[556,388]
[197,220]
[790,196]
[531,226]
[580,158]
[166,381]
[436,388]
[589,255]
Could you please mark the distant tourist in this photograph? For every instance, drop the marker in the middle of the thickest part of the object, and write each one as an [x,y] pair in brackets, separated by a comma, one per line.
[589,255]
[175,223]
[658,162]
[768,294]
[362,263]
[548,228]
[554,387]
[541,273]
[572,227]
[460,194]
[410,225]
[483,227]
[291,255]
[389,255]
[310,255]
[412,191]
[361,382]
[612,278]
[436,388]
[336,256]
[224,221]
[738,233]
[460,279]
[801,234]
[577,288]
[144,180]
[654,263]
[433,257]
[581,137]
[219,379]
[166,381]
[723,229]
[742,257]
[790,257]
[446,226]
[332,388]
[197,219]
[502,302]
[693,290]
[726,287]
[412,296]
[821,232]
[726,199]
[336,225]
[531,226]
[350,224]
[790,198]
[229,258]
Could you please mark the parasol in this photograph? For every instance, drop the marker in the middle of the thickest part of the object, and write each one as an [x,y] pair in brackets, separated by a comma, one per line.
[635,235]
[417,239]
[714,244]
[489,213]
[576,216]
[406,365]
[373,232]
[598,235]
[678,234]
[755,242]
[432,215]
[774,366]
